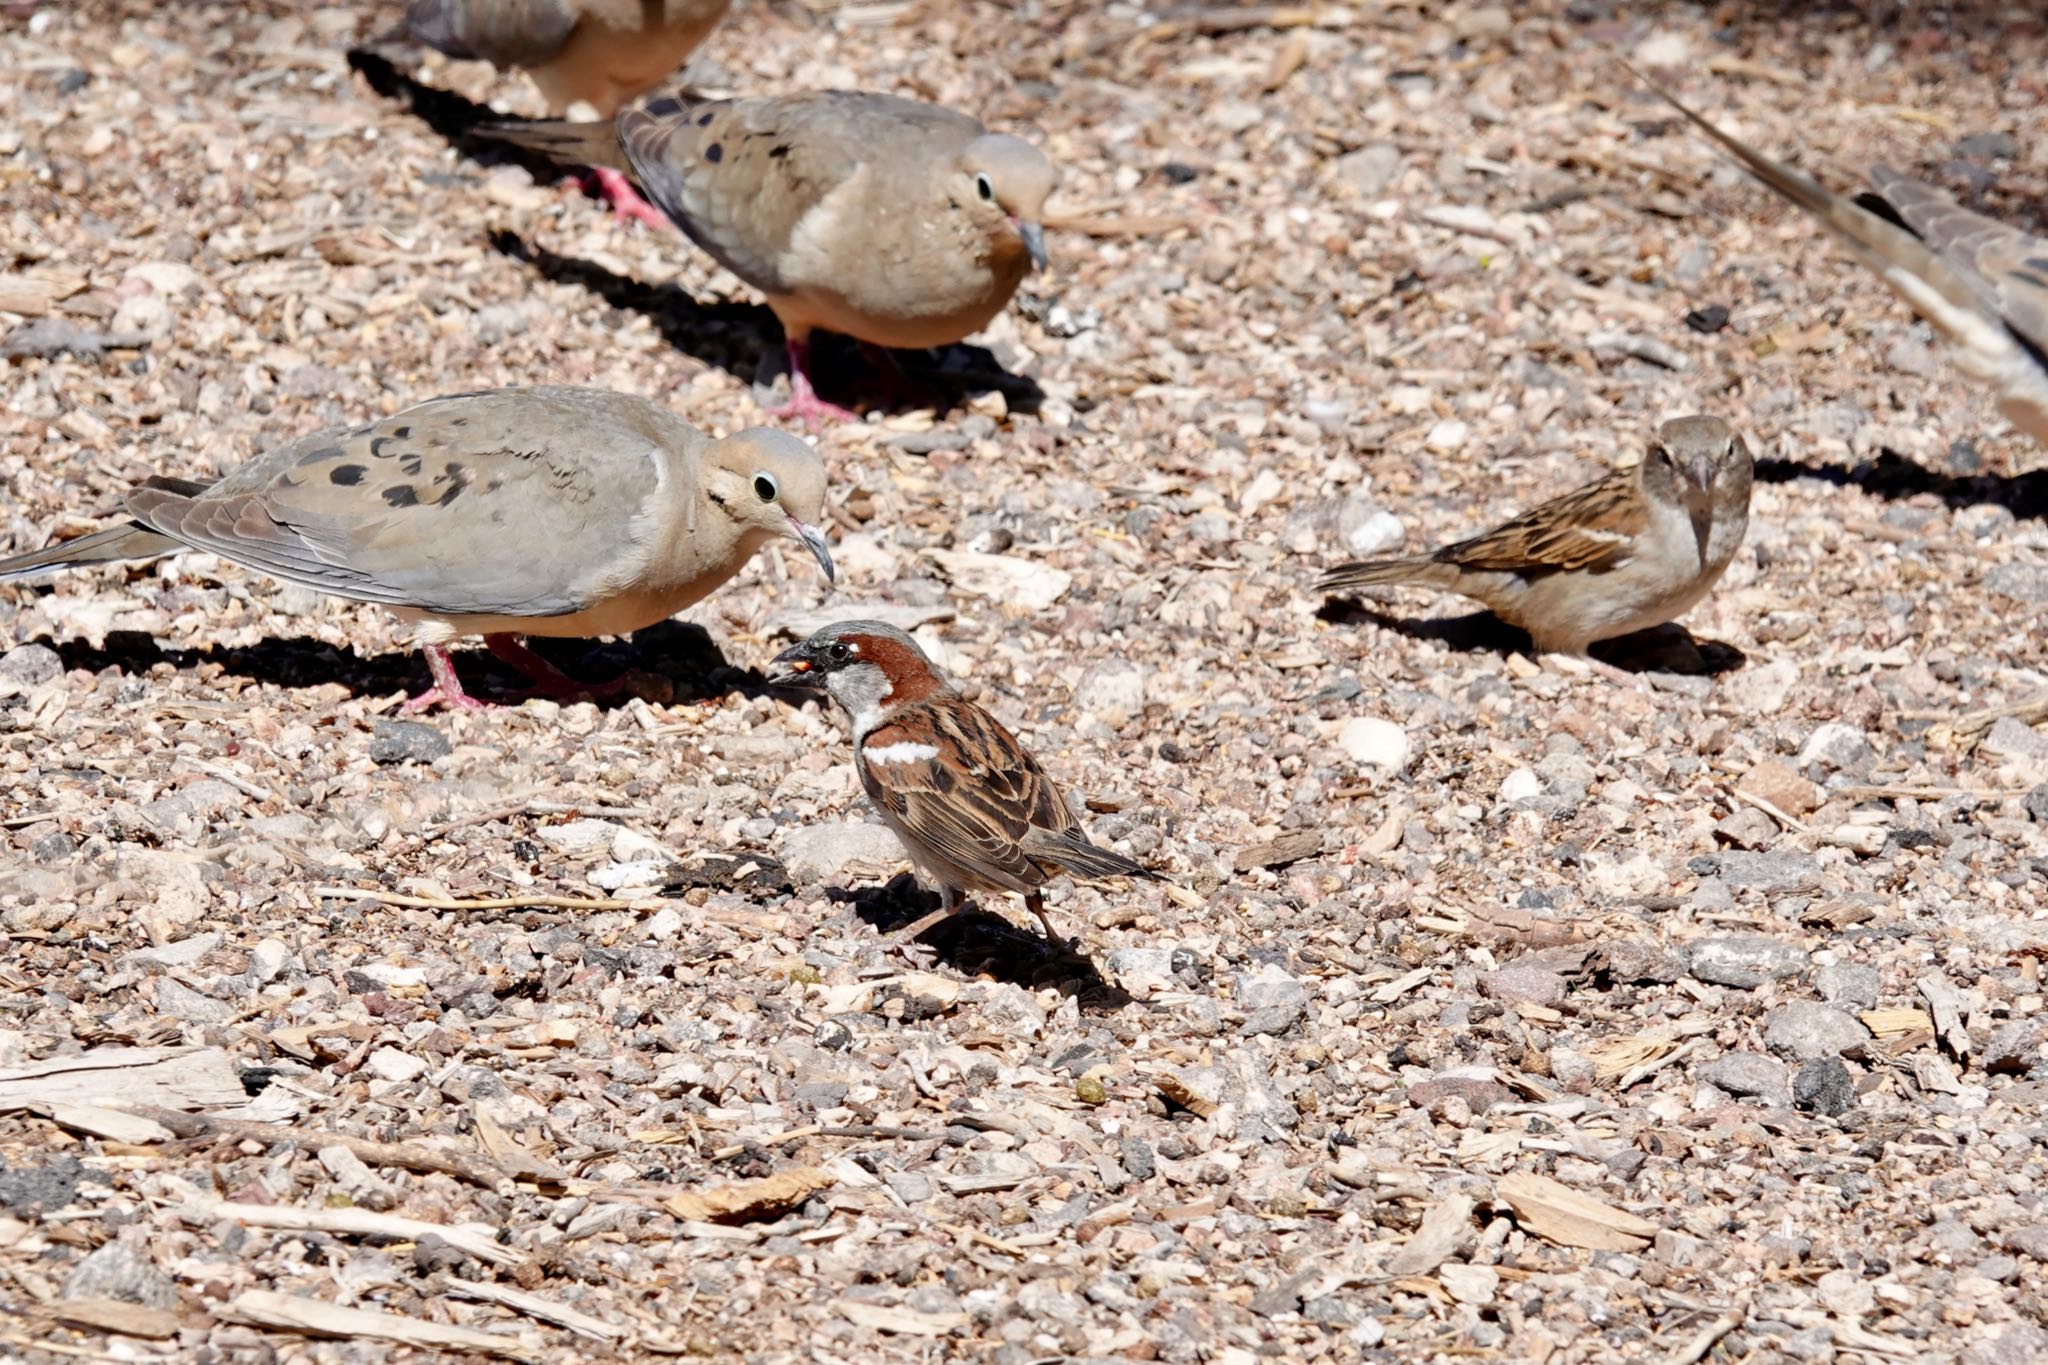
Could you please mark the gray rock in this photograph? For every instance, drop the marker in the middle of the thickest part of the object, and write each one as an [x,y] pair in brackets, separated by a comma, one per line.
[30,665]
[1804,1030]
[1824,1086]
[1523,986]
[1369,170]
[1851,987]
[820,853]
[1272,1000]
[1636,959]
[1993,146]
[119,1271]
[2030,1241]
[1140,962]
[2037,803]
[1780,873]
[2011,739]
[2013,1047]
[1744,961]
[1113,692]
[2020,1344]
[2023,582]
[406,741]
[1748,1075]
[1836,746]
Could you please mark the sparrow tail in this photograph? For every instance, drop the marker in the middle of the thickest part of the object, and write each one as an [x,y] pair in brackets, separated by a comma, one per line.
[1372,573]
[1072,851]
[569,141]
[133,541]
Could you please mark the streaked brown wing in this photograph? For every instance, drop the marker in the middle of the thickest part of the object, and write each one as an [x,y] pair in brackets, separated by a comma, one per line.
[974,800]
[1587,529]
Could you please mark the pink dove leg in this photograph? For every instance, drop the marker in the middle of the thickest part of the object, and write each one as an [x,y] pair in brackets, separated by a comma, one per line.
[616,189]
[447,688]
[803,399]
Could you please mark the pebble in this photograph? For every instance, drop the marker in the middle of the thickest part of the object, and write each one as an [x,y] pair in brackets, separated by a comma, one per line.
[1473,1284]
[124,1273]
[1835,746]
[2013,1047]
[1849,985]
[406,741]
[388,1063]
[1772,874]
[268,959]
[1748,1075]
[1780,785]
[1523,986]
[1113,692]
[578,836]
[30,665]
[1806,1029]
[1375,743]
[1520,785]
[1448,436]
[1368,171]
[1744,961]
[2022,582]
[820,853]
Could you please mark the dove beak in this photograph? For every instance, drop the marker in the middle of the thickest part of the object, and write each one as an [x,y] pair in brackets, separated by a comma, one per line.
[793,667]
[812,539]
[1034,241]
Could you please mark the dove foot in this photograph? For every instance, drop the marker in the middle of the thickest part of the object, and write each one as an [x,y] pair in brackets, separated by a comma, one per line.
[447,687]
[616,189]
[803,398]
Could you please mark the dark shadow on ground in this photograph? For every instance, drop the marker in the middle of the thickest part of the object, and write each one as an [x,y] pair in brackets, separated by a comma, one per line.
[682,656]
[1662,649]
[977,942]
[1893,477]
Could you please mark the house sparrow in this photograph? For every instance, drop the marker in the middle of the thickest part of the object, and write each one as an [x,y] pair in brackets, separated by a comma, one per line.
[974,811]
[527,511]
[1626,552]
[1982,284]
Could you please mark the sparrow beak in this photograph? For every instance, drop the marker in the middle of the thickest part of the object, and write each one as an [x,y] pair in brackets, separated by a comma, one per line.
[812,539]
[1699,503]
[792,668]
[1034,241]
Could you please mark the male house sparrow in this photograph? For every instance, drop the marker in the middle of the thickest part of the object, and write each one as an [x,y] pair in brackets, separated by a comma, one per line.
[972,808]
[1982,284]
[1629,551]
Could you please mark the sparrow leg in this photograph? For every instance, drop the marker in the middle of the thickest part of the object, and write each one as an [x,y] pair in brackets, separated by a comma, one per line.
[547,680]
[616,189]
[949,905]
[1034,901]
[803,401]
[447,688]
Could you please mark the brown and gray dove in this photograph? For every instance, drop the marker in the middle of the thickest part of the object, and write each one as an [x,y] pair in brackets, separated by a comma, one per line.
[1982,284]
[535,511]
[600,52]
[896,223]
[1632,550]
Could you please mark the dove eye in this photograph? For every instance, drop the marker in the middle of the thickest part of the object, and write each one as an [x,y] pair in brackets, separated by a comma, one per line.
[984,186]
[764,488]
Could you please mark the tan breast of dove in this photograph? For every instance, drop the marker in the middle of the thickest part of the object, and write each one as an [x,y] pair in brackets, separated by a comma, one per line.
[896,223]
[1982,284]
[534,511]
[1632,550]
[598,52]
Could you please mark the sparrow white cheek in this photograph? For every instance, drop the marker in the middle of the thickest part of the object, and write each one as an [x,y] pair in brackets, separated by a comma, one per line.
[902,751]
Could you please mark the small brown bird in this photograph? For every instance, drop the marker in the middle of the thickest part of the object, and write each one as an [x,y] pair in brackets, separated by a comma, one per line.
[1629,551]
[1982,284]
[600,52]
[536,511]
[971,806]
[896,223]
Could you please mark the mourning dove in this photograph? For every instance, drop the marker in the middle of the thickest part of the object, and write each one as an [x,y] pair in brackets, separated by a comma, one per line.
[536,511]
[1626,552]
[897,223]
[1982,284]
[600,52]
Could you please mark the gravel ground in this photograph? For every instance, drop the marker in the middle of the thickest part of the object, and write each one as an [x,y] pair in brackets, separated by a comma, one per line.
[1495,1009]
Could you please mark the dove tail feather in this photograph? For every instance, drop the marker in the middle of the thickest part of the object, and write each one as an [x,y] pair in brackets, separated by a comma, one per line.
[133,541]
[571,141]
[1374,573]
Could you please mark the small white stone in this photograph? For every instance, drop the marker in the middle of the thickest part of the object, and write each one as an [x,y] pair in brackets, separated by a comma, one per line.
[822,853]
[1112,691]
[1864,839]
[1664,48]
[579,836]
[1473,1284]
[1448,436]
[389,1064]
[1374,742]
[268,959]
[663,924]
[630,845]
[1520,785]
[640,872]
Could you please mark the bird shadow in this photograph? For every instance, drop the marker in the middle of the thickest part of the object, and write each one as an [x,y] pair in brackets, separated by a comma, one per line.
[1668,649]
[977,942]
[1893,477]
[672,657]
[453,117]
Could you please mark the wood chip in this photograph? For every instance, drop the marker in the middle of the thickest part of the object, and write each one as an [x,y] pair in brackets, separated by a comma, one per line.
[747,1200]
[1558,1213]
[174,1077]
[1178,1092]
[116,1317]
[1278,852]
[316,1317]
[901,1321]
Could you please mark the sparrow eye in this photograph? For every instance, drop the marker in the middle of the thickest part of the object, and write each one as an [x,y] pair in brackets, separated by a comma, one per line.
[984,186]
[838,651]
[764,488]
